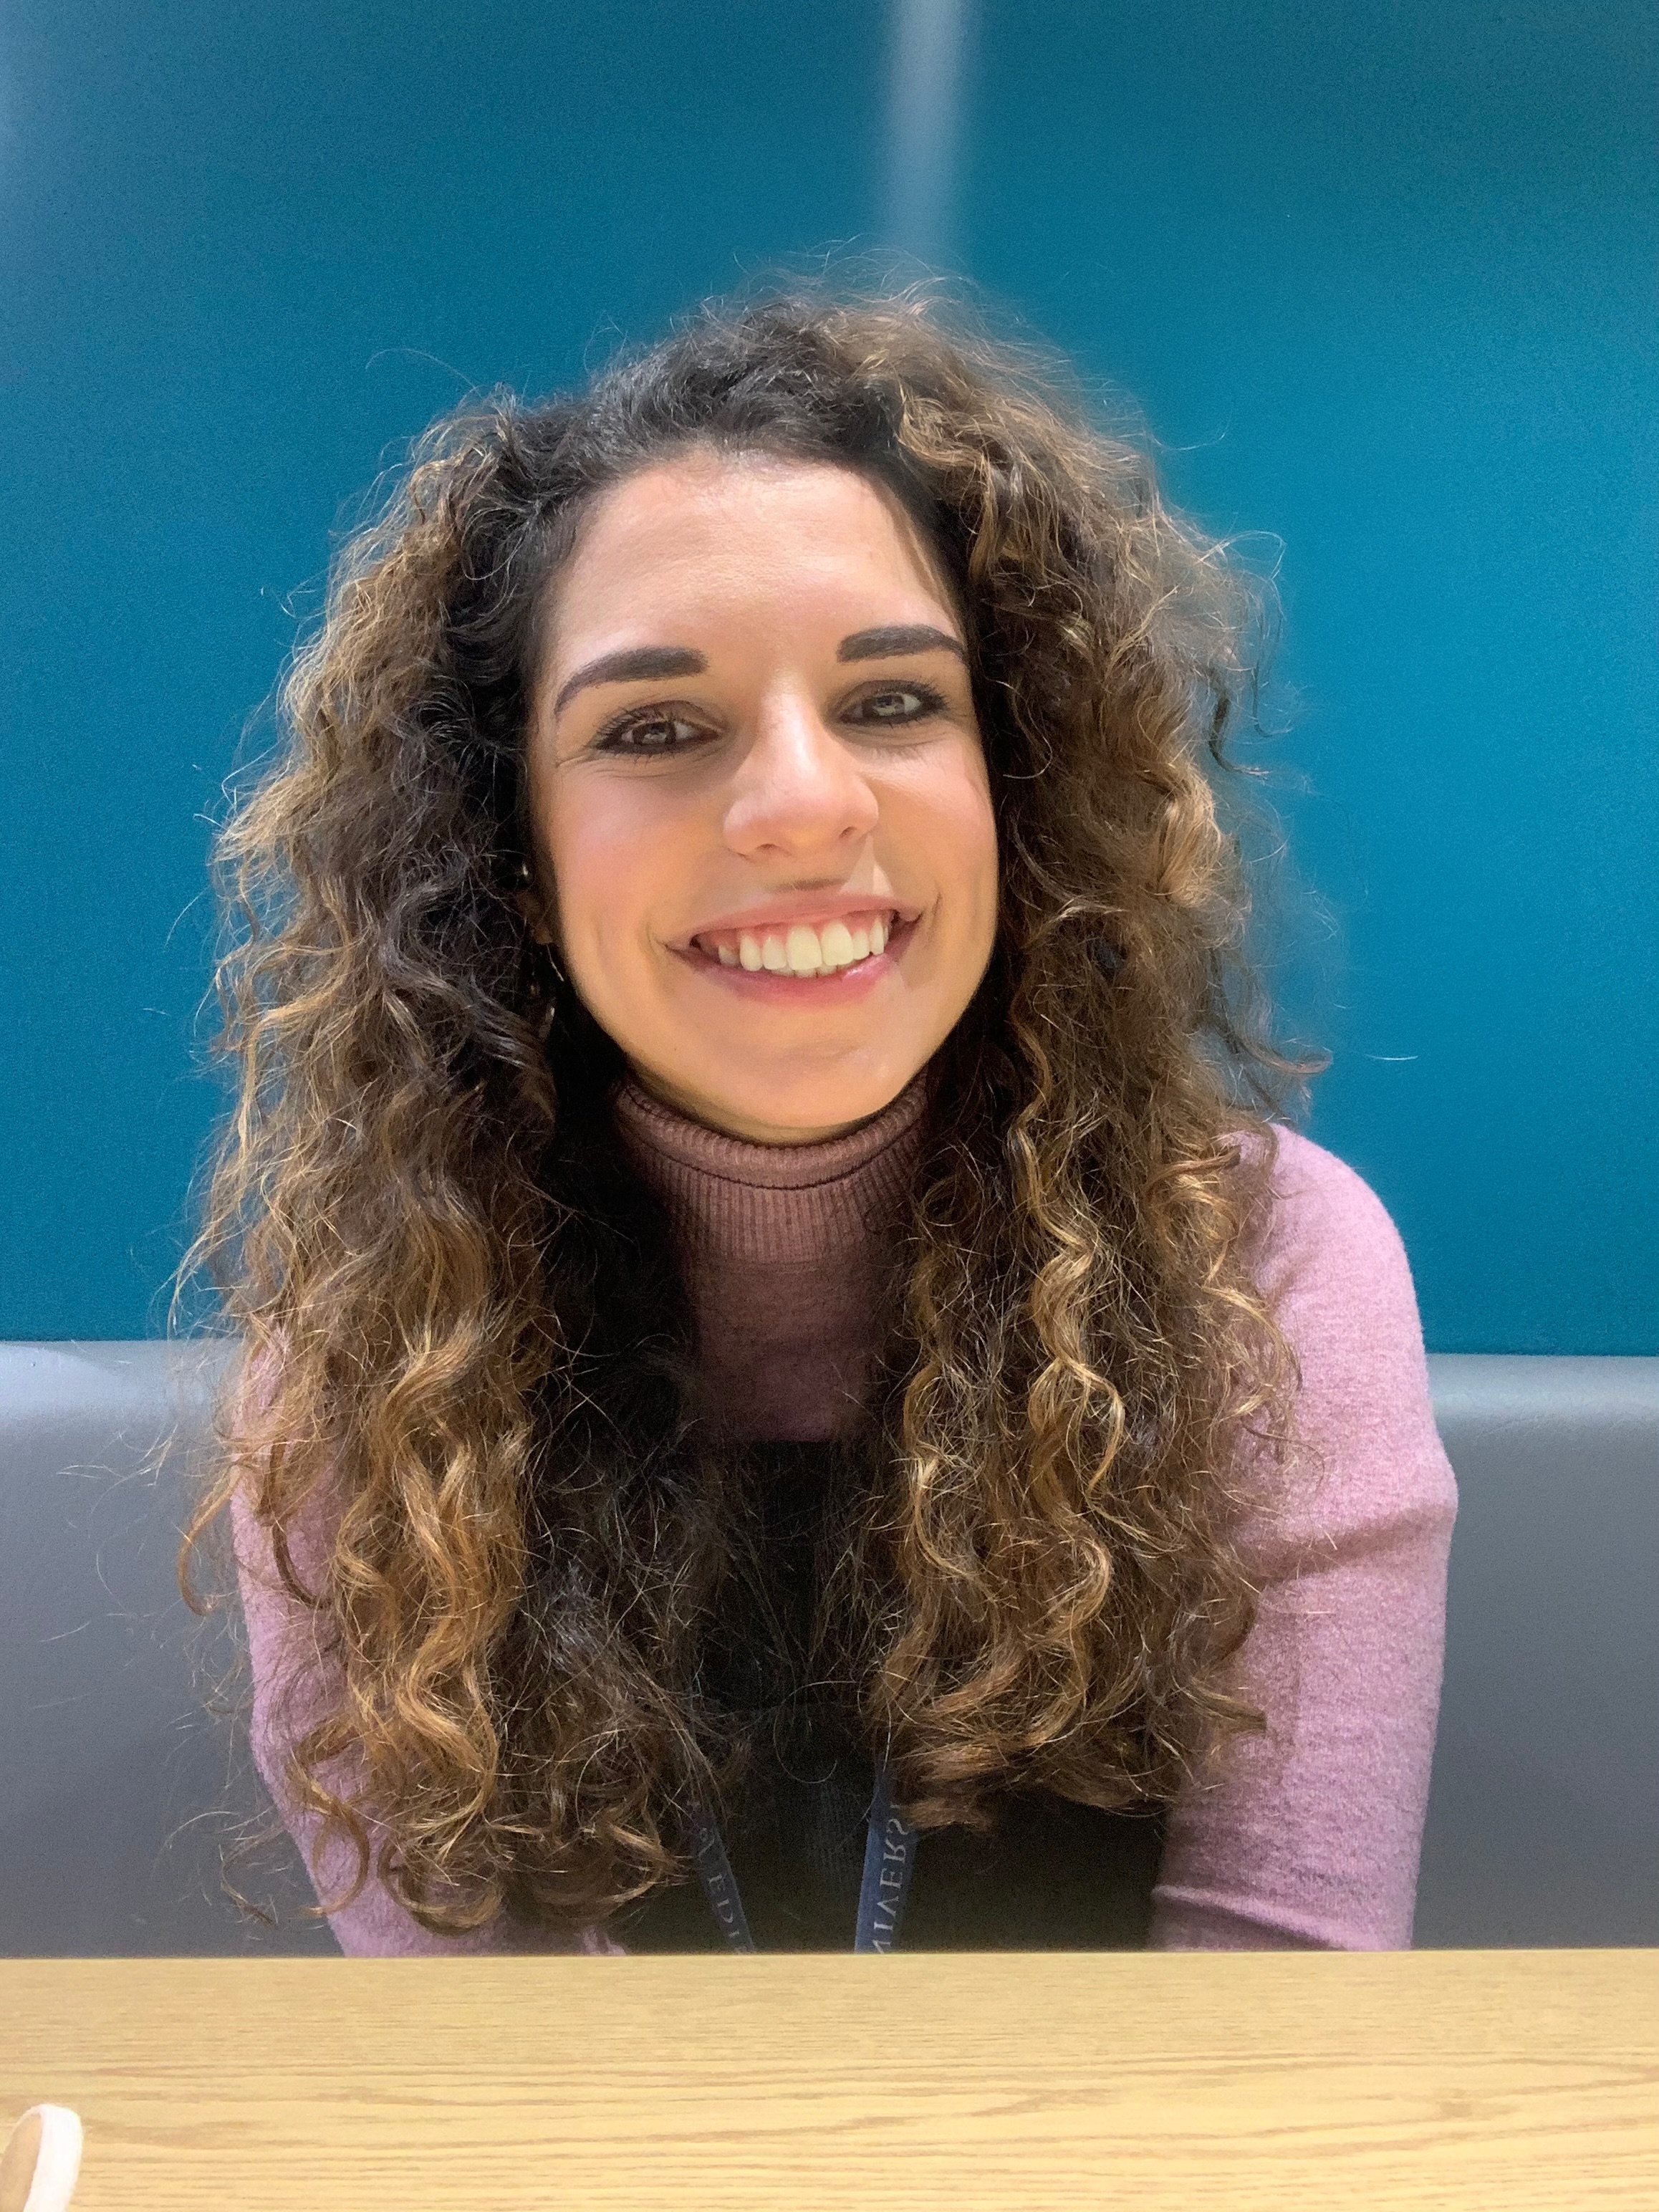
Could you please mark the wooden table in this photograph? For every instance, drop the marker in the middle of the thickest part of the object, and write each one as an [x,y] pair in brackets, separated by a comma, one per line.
[1499,2080]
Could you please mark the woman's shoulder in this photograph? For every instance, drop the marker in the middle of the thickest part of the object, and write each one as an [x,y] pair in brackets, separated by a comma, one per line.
[1313,1192]
[1324,1244]
[1333,1267]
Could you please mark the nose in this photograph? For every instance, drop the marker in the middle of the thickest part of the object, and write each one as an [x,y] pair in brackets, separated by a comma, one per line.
[800,788]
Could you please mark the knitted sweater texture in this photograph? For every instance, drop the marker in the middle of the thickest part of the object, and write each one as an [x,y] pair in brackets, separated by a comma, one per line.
[1307,1836]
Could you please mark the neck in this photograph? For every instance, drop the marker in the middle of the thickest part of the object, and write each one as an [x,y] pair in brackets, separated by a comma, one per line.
[698,1112]
[784,1250]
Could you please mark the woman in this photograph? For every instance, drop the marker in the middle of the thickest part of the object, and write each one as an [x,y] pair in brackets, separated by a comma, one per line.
[770,1292]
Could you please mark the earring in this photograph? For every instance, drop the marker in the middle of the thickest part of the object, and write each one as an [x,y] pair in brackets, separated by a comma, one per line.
[542,972]
[525,875]
[542,977]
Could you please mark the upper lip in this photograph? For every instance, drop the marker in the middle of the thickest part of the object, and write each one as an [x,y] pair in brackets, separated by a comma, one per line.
[802,906]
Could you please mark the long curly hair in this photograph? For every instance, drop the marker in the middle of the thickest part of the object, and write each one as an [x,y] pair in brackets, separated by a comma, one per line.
[471,1337]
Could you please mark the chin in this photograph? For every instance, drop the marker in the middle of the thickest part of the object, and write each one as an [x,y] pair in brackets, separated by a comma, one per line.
[803,1110]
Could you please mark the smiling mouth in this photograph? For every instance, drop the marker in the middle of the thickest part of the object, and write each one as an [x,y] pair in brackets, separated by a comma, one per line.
[803,950]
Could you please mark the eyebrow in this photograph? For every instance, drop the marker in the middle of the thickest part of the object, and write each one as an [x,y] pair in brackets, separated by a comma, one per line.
[644,664]
[893,643]
[640,664]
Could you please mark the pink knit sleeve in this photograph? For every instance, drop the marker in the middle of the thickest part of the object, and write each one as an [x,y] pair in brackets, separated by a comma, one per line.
[294,1686]
[1309,1837]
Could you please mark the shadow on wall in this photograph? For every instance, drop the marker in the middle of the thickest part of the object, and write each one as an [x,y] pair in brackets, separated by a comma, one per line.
[1543,1821]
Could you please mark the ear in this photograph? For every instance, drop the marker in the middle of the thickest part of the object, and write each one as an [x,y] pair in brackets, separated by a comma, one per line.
[531,900]
[530,905]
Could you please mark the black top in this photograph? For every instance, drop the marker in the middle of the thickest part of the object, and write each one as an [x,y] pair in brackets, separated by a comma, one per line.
[1052,1875]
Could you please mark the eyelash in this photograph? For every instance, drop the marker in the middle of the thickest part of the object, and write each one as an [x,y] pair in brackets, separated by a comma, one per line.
[929,702]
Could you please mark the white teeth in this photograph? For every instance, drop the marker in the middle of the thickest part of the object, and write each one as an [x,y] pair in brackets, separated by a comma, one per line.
[803,951]
[836,940]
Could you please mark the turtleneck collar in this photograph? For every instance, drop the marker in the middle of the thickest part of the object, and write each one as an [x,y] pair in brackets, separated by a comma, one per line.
[783,1248]
[736,1199]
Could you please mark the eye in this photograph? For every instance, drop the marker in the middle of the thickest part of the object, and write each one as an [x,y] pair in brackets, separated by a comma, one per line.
[896,704]
[650,732]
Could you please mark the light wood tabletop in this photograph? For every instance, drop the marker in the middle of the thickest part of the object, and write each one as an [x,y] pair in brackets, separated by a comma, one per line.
[1509,2080]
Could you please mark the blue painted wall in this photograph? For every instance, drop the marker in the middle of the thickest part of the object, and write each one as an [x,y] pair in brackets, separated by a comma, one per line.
[1381,277]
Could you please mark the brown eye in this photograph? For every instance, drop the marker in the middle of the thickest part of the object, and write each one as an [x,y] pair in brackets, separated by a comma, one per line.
[898,703]
[657,732]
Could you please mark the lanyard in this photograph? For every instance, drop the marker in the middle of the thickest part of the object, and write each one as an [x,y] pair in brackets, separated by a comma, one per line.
[889,1860]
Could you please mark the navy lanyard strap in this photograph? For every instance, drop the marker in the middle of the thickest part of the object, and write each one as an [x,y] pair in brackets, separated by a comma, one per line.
[889,1860]
[720,1883]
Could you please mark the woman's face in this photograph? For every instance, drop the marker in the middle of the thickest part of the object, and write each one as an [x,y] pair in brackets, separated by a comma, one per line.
[759,792]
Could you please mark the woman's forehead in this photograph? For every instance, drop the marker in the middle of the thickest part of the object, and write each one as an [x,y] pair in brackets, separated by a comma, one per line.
[705,534]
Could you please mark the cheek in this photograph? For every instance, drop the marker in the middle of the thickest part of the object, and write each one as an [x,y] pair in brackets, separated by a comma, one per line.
[982,830]
[608,862]
[965,833]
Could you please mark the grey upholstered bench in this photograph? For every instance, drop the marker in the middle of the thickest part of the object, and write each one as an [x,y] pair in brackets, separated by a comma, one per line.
[117,1791]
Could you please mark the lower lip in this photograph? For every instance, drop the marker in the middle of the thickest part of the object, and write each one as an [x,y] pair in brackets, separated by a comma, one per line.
[766,985]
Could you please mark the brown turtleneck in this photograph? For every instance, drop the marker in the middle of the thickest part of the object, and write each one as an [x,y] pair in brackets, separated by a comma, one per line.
[783,1247]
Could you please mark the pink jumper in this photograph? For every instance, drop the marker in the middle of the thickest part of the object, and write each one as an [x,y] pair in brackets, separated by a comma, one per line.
[1306,1837]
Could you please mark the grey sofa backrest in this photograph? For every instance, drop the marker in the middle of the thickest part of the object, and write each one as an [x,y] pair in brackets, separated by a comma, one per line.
[1544,1814]
[116,1791]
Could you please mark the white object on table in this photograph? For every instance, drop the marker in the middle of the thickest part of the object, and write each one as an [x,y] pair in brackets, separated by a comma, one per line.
[41,2161]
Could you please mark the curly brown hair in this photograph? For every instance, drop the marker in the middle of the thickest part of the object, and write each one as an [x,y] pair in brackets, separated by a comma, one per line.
[466,1311]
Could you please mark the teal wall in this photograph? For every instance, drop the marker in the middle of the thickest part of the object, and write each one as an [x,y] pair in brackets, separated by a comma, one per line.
[1381,277]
